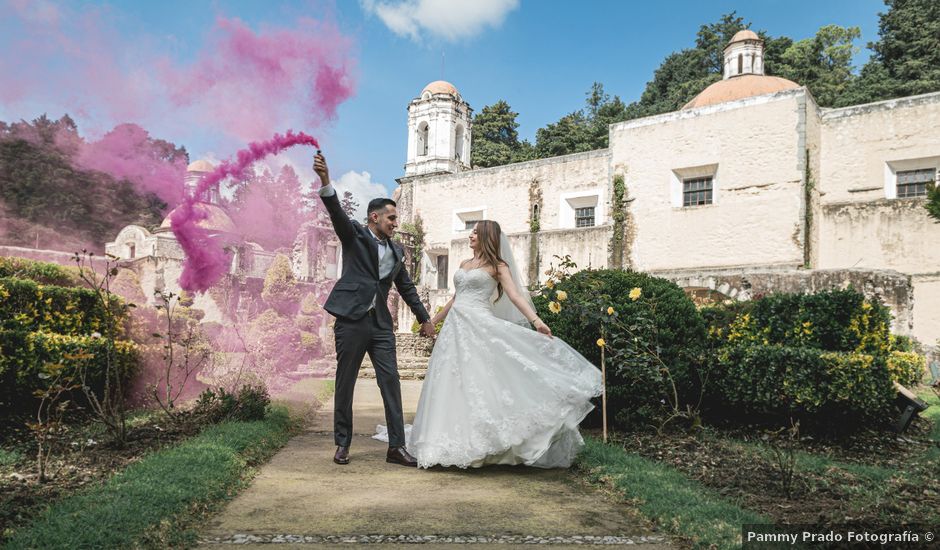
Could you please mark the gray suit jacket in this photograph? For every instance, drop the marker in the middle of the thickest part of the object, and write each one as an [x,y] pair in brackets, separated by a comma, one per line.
[359,282]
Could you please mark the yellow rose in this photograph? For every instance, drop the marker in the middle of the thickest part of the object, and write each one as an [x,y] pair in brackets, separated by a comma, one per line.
[610,311]
[554,307]
[550,283]
[635,293]
[601,343]
[561,296]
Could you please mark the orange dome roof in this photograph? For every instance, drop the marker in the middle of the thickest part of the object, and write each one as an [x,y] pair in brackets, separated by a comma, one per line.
[440,87]
[746,34]
[216,221]
[200,165]
[740,87]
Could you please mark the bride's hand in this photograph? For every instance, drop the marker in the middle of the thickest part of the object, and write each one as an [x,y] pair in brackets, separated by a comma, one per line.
[543,328]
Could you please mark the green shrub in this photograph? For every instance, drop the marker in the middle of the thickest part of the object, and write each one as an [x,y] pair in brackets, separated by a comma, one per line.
[800,381]
[821,357]
[41,272]
[835,320]
[30,307]
[637,390]
[24,354]
[907,367]
[249,403]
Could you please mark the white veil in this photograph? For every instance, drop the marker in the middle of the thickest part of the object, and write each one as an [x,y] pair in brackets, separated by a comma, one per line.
[504,308]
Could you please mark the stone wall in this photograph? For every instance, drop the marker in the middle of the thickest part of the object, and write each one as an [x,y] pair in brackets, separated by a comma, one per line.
[754,149]
[894,289]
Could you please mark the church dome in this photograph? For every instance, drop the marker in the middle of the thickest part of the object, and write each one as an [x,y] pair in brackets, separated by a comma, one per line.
[440,87]
[740,87]
[746,34]
[216,221]
[200,165]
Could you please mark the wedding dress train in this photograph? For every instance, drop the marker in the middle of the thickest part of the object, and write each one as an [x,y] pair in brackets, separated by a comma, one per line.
[497,392]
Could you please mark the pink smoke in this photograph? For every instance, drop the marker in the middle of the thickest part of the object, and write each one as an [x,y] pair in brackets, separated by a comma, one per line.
[127,152]
[243,84]
[206,261]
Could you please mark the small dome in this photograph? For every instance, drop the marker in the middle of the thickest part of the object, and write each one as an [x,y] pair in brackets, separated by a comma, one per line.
[217,220]
[441,87]
[200,165]
[740,87]
[746,34]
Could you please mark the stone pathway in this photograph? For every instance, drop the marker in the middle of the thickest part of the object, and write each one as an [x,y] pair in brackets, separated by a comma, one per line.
[300,498]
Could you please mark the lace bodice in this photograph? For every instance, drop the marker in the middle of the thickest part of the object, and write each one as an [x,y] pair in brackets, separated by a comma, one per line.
[474,288]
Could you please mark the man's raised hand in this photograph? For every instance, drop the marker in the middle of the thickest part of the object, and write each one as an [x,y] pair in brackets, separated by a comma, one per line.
[319,166]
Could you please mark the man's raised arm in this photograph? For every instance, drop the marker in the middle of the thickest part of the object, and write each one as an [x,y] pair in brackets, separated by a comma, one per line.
[341,222]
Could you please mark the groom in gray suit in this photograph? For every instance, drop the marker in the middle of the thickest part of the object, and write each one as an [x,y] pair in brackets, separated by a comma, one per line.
[371,263]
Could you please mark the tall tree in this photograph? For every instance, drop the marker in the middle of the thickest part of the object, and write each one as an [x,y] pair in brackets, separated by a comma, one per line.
[495,137]
[582,130]
[909,45]
[906,57]
[44,191]
[270,210]
[349,204]
[822,63]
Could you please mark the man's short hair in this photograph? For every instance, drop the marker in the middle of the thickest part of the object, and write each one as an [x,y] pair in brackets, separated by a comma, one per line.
[378,205]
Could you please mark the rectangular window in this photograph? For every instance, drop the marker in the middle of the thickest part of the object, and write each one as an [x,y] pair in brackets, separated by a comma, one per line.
[442,271]
[469,224]
[914,183]
[584,217]
[697,191]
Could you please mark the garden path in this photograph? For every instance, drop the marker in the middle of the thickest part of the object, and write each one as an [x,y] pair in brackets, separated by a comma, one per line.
[300,498]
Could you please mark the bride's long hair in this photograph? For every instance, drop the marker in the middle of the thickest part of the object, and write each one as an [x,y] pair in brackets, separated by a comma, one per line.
[488,233]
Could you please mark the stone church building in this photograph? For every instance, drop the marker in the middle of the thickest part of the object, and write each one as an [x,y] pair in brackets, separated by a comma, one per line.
[157,258]
[750,188]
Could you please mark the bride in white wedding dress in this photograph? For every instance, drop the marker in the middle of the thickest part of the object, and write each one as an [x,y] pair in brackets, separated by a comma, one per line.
[497,392]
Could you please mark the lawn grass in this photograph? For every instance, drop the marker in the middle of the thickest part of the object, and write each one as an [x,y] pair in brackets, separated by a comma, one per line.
[679,505]
[156,502]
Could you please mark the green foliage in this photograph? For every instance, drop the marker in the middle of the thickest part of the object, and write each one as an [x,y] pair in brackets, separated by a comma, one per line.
[416,230]
[27,306]
[495,139]
[248,404]
[909,45]
[24,357]
[39,183]
[822,63]
[680,505]
[280,286]
[160,501]
[43,273]
[933,202]
[43,325]
[582,130]
[638,390]
[618,204]
[799,380]
[349,204]
[907,367]
[827,357]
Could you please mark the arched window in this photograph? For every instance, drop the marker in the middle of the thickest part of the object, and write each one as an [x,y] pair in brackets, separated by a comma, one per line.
[422,144]
[740,63]
[458,143]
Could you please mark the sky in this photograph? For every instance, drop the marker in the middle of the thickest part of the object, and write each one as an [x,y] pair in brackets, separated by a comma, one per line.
[177,67]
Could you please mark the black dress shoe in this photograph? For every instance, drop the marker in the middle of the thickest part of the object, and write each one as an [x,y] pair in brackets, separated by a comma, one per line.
[398,455]
[342,455]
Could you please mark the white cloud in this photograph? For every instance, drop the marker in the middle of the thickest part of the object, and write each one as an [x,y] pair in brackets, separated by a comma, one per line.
[448,19]
[362,187]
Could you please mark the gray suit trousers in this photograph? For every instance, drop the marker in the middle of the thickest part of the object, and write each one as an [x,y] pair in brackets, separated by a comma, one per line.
[355,338]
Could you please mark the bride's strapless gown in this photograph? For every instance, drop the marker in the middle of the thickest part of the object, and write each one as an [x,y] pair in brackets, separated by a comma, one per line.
[499,393]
